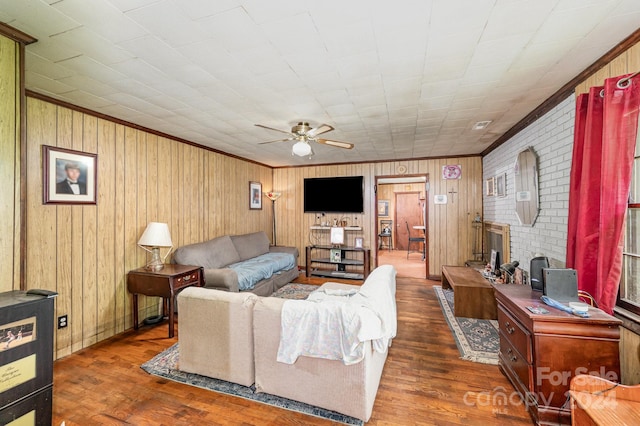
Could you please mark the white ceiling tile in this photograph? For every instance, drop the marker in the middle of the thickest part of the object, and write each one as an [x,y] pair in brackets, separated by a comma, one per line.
[102,17]
[399,79]
[166,21]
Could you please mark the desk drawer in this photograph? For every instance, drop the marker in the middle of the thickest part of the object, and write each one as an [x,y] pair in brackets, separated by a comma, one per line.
[517,336]
[191,278]
[513,360]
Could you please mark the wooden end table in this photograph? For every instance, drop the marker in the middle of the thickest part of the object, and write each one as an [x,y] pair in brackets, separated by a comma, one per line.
[164,283]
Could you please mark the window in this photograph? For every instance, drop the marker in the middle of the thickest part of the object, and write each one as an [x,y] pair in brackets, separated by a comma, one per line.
[629,296]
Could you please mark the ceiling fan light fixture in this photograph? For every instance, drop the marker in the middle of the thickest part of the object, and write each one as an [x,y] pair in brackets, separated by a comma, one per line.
[480,125]
[301,149]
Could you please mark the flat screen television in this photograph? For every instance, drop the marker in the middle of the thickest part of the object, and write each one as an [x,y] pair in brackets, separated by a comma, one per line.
[344,194]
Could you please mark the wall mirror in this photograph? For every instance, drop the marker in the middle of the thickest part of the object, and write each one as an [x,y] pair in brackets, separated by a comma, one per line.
[526,183]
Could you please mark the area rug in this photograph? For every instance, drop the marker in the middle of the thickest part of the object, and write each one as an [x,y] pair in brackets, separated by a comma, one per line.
[478,340]
[295,291]
[165,365]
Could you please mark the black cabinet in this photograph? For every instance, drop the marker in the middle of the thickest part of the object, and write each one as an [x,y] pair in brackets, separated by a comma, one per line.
[26,358]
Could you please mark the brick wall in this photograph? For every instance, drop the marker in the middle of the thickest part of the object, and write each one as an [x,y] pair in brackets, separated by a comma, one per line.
[551,137]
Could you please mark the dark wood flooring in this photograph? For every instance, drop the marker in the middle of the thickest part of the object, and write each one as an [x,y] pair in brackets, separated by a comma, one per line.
[424,381]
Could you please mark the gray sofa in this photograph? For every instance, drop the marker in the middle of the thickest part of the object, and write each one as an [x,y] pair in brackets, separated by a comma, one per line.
[241,339]
[242,263]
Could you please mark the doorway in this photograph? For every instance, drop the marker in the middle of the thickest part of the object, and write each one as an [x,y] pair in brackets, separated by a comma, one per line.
[402,200]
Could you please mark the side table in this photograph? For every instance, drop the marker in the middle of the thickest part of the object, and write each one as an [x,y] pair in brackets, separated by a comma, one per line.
[164,283]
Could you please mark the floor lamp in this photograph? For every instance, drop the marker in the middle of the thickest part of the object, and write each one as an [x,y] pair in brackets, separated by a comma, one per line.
[273,196]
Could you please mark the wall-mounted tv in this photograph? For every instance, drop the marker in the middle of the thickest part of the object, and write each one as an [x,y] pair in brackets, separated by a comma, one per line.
[344,194]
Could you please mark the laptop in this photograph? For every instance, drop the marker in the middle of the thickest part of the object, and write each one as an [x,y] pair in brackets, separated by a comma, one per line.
[560,284]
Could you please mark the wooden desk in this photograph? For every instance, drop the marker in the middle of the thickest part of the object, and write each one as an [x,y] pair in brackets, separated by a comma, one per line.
[541,353]
[473,295]
[164,283]
[597,401]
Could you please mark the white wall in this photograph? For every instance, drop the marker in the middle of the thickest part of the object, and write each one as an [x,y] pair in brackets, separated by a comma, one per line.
[551,137]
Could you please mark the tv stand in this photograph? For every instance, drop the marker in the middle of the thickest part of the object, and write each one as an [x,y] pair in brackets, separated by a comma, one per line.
[343,268]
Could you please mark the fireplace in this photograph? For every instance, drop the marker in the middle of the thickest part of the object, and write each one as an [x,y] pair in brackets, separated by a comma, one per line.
[496,237]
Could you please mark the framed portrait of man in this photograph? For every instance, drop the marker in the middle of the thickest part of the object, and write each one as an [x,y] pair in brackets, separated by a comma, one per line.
[69,177]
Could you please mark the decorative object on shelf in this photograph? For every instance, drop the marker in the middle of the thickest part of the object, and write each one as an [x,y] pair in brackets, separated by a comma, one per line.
[439,199]
[255,196]
[273,196]
[335,255]
[383,208]
[358,243]
[501,185]
[509,269]
[69,177]
[489,185]
[156,235]
[452,171]
[337,236]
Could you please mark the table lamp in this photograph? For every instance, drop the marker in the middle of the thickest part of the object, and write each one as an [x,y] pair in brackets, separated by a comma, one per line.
[155,236]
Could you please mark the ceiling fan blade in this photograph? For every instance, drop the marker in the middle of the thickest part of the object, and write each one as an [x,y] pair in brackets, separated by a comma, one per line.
[339,144]
[323,128]
[277,140]
[271,128]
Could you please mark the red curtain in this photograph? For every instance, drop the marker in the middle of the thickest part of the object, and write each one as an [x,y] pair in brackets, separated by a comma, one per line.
[604,145]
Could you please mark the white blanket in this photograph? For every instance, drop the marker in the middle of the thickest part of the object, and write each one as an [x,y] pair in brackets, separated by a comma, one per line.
[335,325]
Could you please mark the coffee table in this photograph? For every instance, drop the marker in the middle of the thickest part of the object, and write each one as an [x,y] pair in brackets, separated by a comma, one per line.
[473,295]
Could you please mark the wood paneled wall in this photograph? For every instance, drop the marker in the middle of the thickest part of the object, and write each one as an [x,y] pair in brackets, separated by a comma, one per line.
[450,231]
[627,62]
[85,251]
[9,164]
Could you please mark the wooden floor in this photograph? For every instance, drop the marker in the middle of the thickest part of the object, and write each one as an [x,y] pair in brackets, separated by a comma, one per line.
[411,266]
[424,382]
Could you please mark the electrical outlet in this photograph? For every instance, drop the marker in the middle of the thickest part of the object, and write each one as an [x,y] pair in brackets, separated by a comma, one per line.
[62,321]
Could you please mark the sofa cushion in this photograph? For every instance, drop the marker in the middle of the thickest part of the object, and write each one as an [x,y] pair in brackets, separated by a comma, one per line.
[258,268]
[212,254]
[251,245]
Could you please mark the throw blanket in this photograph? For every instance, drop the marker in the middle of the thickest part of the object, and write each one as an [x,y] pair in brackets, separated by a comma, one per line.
[337,326]
[252,270]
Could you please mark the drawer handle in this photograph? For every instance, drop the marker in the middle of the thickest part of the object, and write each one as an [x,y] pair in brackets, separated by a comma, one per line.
[508,327]
[512,356]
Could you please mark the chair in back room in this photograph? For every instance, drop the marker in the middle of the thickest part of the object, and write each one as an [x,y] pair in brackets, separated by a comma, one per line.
[420,240]
[386,234]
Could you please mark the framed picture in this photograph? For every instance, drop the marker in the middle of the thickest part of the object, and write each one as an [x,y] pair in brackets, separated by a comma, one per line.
[255,196]
[490,187]
[358,243]
[383,208]
[501,185]
[69,177]
[335,256]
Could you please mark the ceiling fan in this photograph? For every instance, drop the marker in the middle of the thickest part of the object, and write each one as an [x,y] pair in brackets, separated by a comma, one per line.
[303,133]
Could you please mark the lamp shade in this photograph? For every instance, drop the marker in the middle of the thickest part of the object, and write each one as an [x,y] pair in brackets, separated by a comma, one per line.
[273,195]
[301,149]
[156,235]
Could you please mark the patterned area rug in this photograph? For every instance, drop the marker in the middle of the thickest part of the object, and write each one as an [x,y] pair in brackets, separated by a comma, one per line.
[477,339]
[295,291]
[166,363]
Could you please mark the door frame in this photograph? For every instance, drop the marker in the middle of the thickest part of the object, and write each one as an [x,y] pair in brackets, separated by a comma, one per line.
[409,178]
